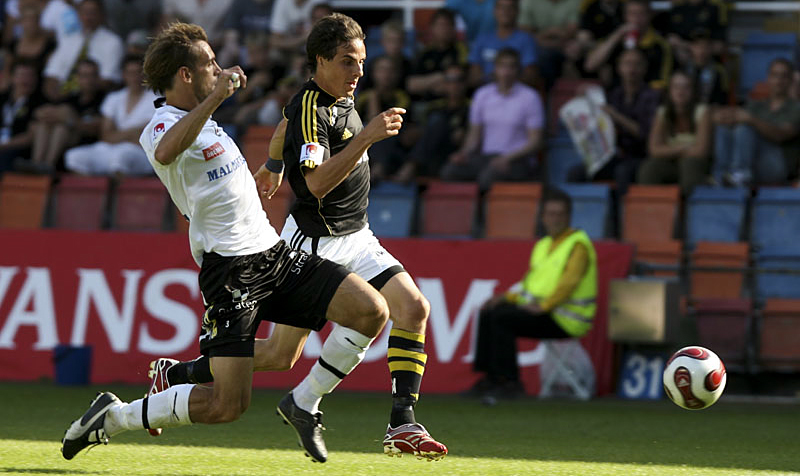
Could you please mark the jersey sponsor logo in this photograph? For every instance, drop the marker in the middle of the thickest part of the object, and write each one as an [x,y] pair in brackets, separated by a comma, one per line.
[312,154]
[158,129]
[213,151]
[227,169]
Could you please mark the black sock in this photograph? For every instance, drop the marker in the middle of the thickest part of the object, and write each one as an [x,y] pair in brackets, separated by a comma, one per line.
[406,365]
[193,371]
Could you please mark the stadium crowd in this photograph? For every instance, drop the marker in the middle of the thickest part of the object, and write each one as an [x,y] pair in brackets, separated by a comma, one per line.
[475,81]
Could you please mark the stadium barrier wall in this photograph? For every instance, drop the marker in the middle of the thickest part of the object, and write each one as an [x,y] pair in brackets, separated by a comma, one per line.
[134,296]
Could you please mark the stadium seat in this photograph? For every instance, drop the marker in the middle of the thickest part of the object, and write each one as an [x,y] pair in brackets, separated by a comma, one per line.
[512,210]
[391,209]
[649,213]
[23,200]
[758,51]
[448,209]
[591,204]
[780,328]
[562,155]
[660,253]
[725,325]
[778,284]
[776,218]
[277,207]
[715,214]
[140,204]
[255,145]
[713,284]
[80,202]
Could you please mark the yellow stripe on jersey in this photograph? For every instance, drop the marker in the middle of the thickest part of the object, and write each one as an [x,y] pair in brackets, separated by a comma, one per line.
[309,117]
[407,354]
[314,115]
[408,335]
[406,366]
[304,119]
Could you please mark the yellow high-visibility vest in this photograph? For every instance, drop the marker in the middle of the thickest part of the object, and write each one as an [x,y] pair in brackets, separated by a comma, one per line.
[576,314]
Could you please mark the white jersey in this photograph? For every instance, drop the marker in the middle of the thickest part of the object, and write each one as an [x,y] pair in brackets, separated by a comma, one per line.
[212,186]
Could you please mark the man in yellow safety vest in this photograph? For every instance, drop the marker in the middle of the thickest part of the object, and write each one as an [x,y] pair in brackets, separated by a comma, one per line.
[556,299]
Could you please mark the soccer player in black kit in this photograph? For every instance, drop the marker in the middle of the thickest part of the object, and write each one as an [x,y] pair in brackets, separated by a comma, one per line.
[324,153]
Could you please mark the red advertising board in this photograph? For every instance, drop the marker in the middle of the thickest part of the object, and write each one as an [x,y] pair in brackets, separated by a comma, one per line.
[134,296]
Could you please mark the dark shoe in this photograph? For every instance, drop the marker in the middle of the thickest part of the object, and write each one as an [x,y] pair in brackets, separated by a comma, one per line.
[307,426]
[480,388]
[88,430]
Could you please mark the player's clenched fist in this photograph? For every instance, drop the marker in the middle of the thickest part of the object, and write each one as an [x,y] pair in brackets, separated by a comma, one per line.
[385,124]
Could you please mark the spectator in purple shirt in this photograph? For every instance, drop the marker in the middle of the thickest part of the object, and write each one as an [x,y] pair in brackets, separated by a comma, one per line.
[506,120]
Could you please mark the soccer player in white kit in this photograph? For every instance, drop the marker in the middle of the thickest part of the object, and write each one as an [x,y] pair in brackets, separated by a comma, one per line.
[246,272]
[325,155]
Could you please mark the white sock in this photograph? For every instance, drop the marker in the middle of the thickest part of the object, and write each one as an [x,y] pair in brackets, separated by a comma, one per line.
[166,409]
[343,350]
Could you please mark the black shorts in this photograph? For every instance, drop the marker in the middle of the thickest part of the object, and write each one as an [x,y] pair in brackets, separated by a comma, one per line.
[278,285]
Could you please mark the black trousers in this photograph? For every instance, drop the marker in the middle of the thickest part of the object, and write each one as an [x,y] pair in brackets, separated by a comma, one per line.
[498,329]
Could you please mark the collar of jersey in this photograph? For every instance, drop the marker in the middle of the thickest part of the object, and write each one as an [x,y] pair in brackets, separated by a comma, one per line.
[324,99]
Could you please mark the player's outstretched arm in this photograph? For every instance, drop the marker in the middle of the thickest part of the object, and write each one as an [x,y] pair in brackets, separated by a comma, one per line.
[267,182]
[326,176]
[180,136]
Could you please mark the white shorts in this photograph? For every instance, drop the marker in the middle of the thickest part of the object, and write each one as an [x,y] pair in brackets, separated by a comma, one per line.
[359,252]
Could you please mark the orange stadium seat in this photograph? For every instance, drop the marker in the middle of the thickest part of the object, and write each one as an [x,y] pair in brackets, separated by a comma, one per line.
[780,326]
[448,209]
[140,205]
[649,213]
[712,284]
[23,200]
[660,253]
[255,145]
[512,209]
[80,202]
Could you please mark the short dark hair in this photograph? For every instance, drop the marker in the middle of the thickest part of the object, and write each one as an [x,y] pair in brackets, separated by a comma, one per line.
[508,53]
[88,61]
[328,34]
[445,13]
[553,194]
[782,61]
[644,3]
[172,49]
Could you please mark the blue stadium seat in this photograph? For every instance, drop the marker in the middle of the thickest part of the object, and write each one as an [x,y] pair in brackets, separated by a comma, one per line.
[778,285]
[758,51]
[591,204]
[391,209]
[776,219]
[715,214]
[561,157]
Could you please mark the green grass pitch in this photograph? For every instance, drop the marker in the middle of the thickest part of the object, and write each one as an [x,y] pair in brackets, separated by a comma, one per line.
[525,437]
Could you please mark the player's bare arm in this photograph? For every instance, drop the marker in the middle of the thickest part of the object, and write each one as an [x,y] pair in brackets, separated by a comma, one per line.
[325,177]
[180,136]
[268,182]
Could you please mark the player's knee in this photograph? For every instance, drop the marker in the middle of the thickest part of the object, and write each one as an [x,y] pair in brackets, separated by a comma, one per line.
[418,309]
[374,315]
[282,363]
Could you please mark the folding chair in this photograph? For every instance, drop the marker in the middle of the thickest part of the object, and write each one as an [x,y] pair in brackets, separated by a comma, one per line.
[565,356]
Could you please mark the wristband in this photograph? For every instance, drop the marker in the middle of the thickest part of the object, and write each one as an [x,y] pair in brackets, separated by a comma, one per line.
[274,166]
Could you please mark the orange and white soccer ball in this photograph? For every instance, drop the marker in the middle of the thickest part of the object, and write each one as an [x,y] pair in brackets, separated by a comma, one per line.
[694,378]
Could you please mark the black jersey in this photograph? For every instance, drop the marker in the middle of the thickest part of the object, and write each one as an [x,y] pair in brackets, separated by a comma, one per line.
[320,127]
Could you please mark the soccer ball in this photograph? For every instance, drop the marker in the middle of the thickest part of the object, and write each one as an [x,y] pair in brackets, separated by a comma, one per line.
[694,378]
